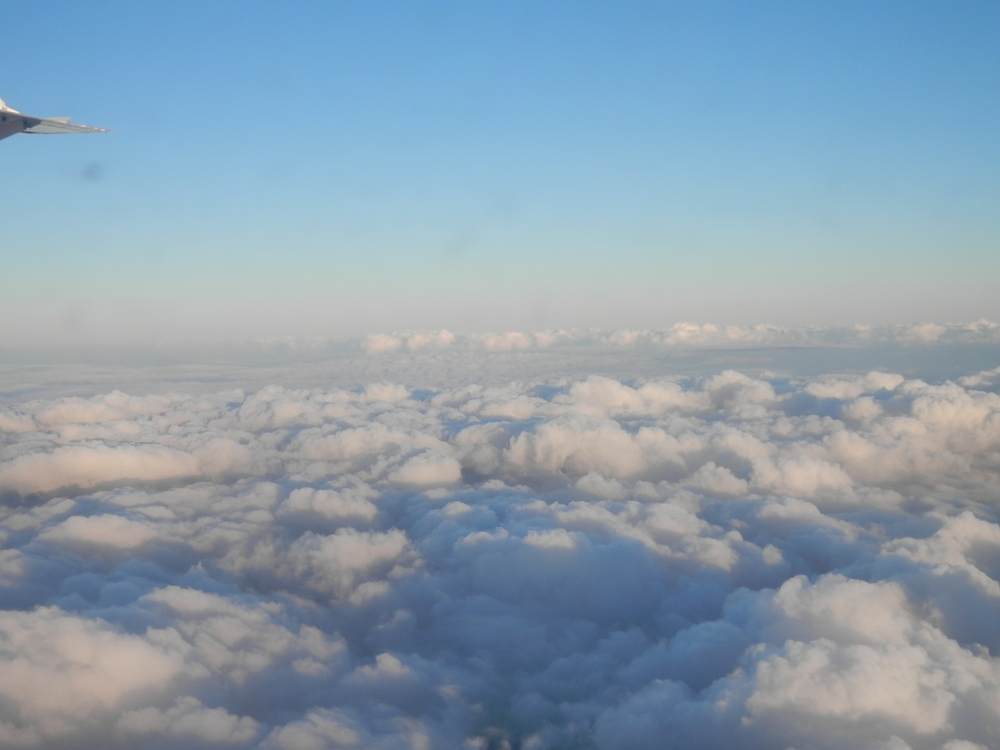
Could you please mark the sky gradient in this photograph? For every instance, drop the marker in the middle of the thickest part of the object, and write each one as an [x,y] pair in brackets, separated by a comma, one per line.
[332,169]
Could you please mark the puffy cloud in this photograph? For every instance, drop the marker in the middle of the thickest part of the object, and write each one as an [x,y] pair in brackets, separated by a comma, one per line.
[317,731]
[108,408]
[692,335]
[427,469]
[187,718]
[849,388]
[87,466]
[62,674]
[896,684]
[349,505]
[100,531]
[379,343]
[234,640]
[335,562]
[495,559]
[798,476]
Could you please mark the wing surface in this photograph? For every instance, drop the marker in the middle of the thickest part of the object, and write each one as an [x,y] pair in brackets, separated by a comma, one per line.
[13,122]
[53,125]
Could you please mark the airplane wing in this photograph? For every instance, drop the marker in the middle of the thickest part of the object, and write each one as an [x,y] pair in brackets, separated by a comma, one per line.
[53,125]
[13,122]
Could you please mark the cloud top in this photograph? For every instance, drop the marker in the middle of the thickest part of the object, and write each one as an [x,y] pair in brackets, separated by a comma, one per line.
[711,561]
[692,335]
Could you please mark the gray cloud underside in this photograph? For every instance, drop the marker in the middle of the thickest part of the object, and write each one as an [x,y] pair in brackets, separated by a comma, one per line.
[708,562]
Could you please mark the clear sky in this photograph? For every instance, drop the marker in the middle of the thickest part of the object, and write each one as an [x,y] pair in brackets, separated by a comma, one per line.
[329,169]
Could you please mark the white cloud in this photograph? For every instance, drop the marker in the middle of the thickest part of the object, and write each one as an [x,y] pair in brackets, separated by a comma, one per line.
[87,466]
[846,389]
[318,731]
[100,531]
[60,673]
[708,560]
[693,336]
[347,505]
[187,718]
[899,685]
[427,469]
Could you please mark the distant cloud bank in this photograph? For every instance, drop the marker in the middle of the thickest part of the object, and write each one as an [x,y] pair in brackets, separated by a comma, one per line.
[712,561]
[694,335]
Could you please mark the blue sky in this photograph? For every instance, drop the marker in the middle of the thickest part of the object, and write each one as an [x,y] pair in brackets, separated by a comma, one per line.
[320,168]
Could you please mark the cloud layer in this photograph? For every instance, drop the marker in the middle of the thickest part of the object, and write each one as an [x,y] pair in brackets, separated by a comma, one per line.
[707,562]
[681,335]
